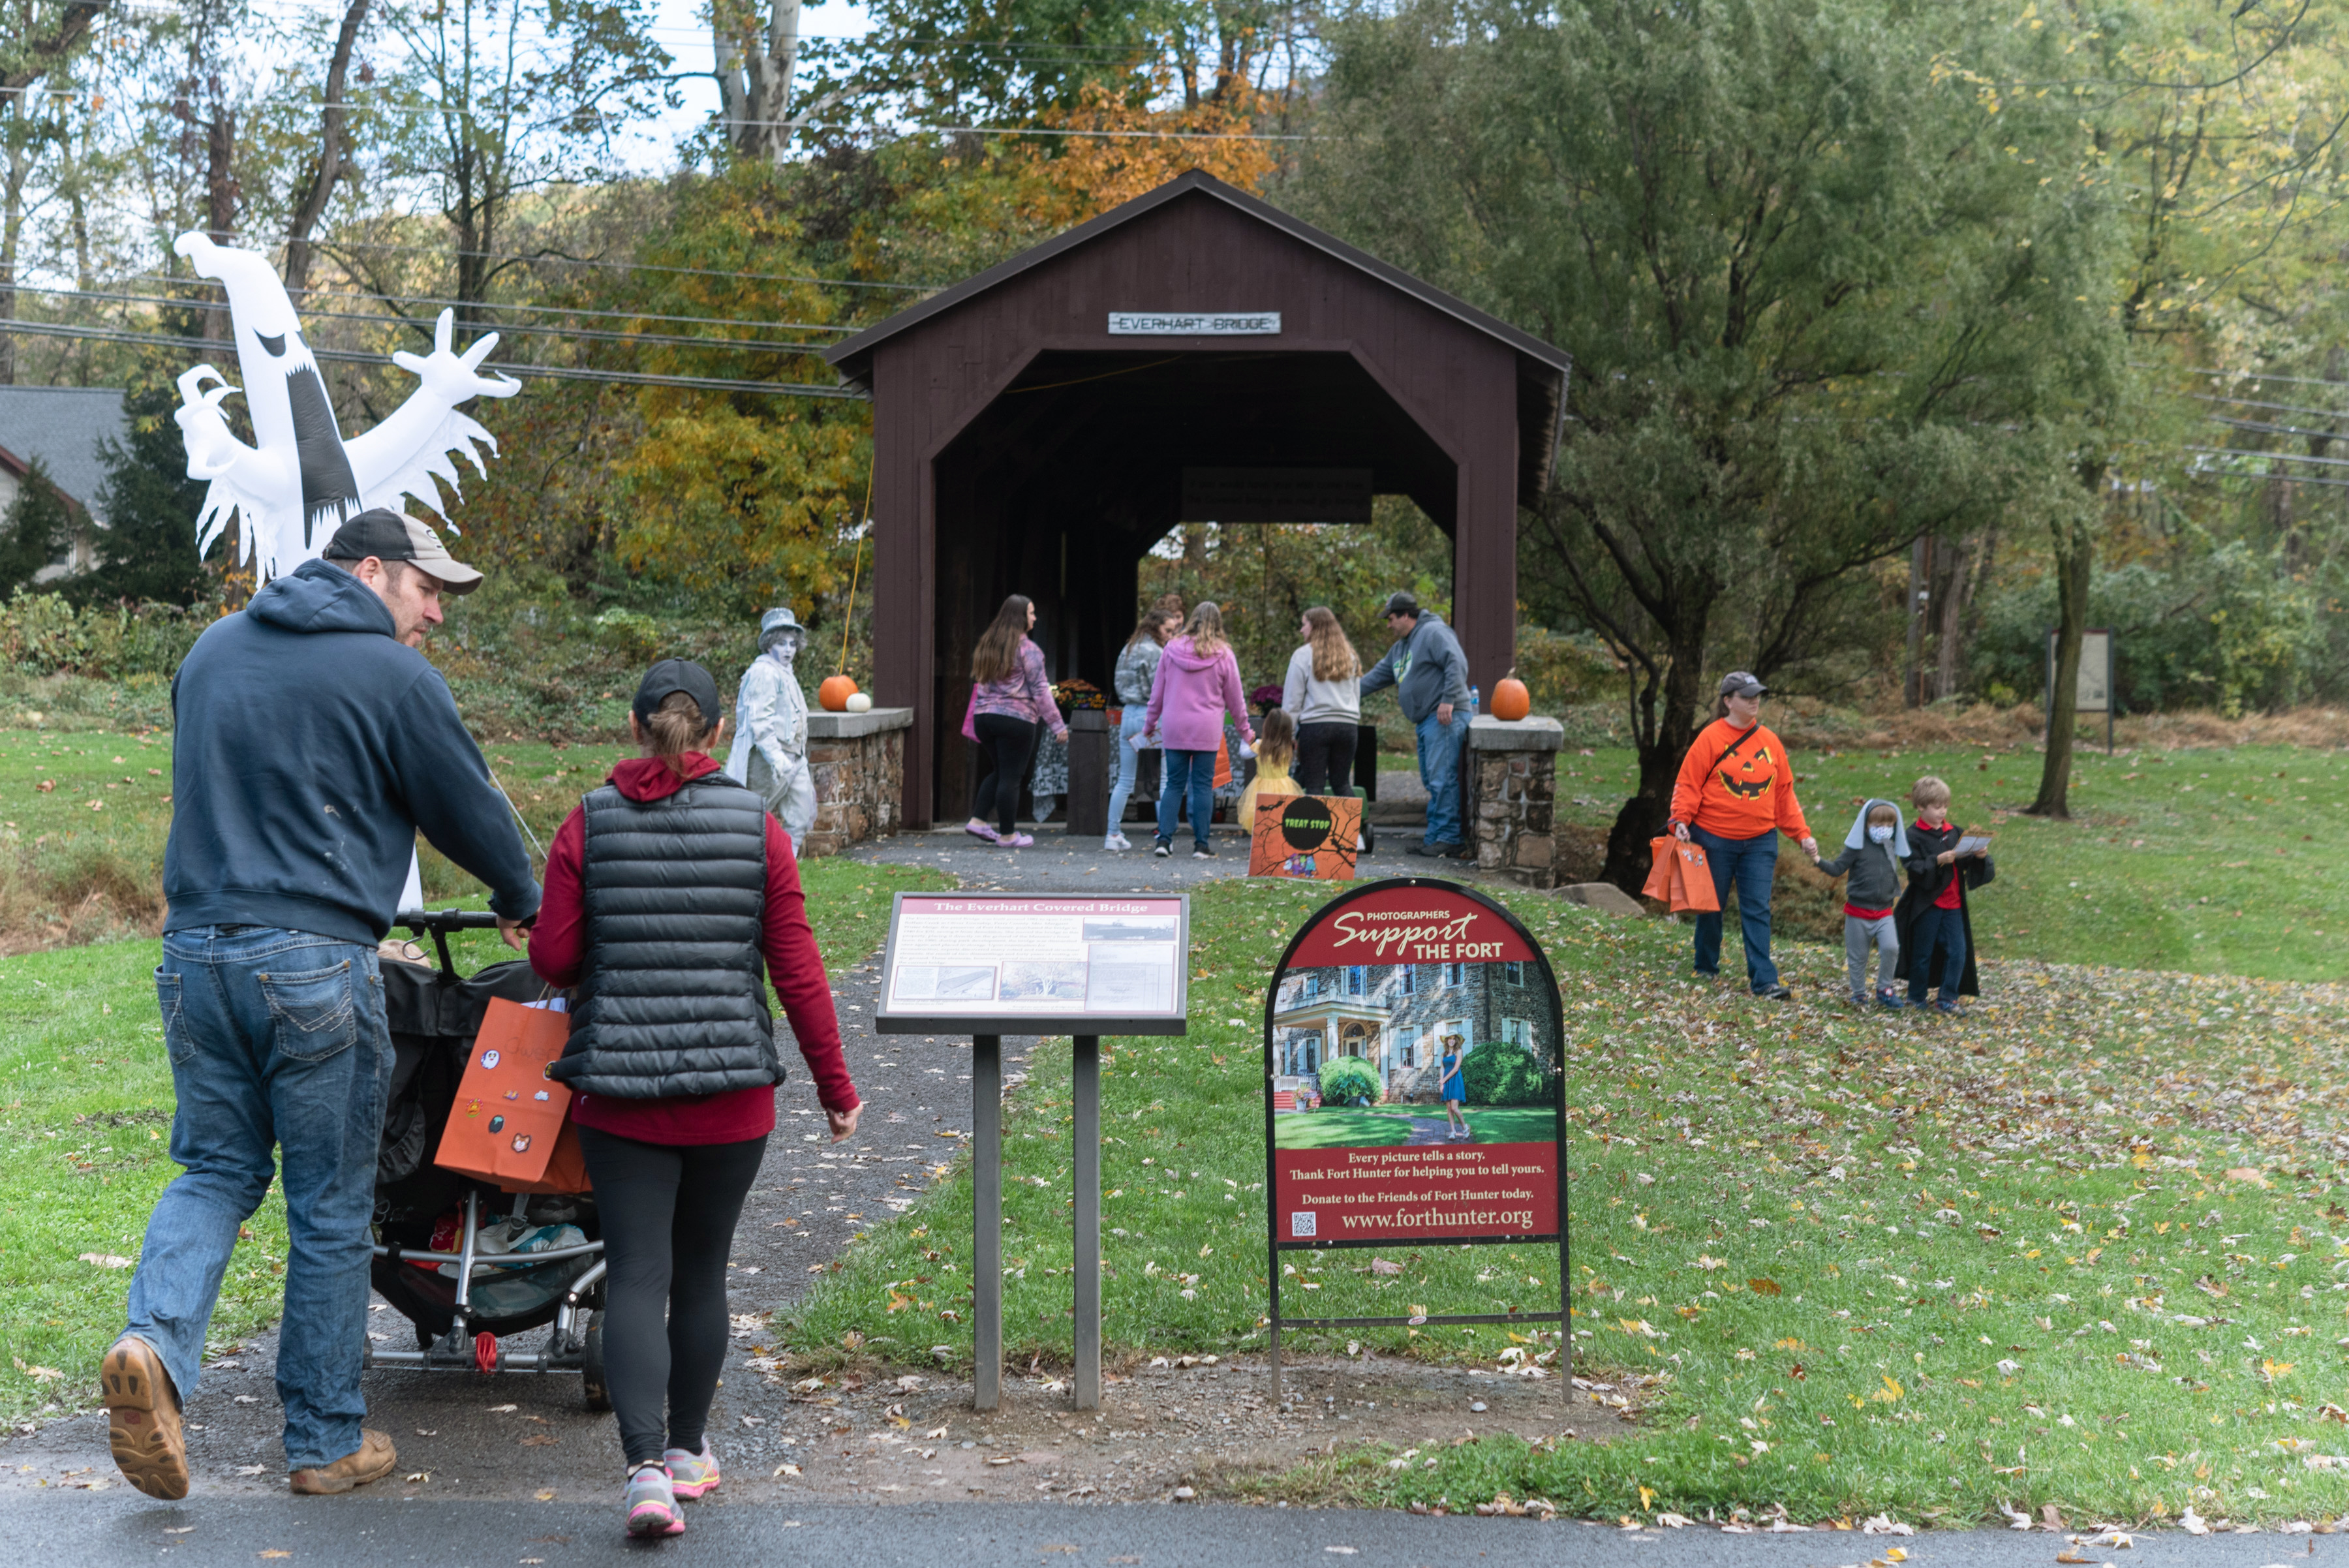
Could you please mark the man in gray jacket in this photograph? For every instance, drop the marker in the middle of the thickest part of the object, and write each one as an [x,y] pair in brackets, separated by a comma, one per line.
[1430,675]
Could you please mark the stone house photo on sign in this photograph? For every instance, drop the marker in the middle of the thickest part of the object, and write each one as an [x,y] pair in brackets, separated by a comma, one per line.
[1396,1017]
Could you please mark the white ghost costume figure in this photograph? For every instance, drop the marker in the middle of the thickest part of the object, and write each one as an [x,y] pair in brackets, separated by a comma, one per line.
[771,728]
[302,480]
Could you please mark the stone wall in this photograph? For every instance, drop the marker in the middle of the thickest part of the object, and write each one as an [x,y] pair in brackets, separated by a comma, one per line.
[859,764]
[1511,791]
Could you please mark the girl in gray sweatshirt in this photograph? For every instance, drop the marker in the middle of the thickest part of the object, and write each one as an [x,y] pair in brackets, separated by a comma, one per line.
[1872,854]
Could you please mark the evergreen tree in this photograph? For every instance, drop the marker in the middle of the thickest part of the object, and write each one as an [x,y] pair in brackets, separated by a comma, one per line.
[147,548]
[34,531]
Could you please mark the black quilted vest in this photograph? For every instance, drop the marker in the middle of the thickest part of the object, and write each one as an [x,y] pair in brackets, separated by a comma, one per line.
[674,999]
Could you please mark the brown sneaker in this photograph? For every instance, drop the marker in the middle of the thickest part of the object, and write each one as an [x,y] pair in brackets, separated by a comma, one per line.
[372,1462]
[142,1419]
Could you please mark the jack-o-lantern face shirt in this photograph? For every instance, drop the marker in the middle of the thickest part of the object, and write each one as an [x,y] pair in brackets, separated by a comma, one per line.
[1738,784]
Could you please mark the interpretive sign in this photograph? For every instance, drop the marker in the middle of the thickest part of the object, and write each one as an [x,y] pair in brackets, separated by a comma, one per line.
[1308,836]
[1414,1083]
[989,965]
[2093,692]
[1194,323]
[1017,964]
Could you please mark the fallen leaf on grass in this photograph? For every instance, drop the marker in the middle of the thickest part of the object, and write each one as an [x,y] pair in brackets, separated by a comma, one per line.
[37,1374]
[1764,1287]
[106,1259]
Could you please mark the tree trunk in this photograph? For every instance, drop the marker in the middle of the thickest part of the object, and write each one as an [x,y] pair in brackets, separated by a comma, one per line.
[755,88]
[1949,635]
[1912,681]
[320,186]
[2075,542]
[1663,733]
[220,195]
[12,234]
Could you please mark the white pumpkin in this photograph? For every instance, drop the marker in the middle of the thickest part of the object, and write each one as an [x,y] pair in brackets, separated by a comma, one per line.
[859,702]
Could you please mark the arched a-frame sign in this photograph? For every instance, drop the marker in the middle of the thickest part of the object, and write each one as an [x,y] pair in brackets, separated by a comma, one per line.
[1196,355]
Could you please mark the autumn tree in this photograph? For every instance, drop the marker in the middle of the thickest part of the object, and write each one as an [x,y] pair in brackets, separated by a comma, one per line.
[1819,304]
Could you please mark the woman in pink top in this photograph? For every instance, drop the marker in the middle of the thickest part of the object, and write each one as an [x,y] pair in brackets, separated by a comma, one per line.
[1009,701]
[1198,682]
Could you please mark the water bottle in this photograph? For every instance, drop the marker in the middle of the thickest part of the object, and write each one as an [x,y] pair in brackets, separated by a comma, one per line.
[1475,700]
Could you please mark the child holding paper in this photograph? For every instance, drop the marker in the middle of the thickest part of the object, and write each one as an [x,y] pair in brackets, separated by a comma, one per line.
[1936,931]
[1872,854]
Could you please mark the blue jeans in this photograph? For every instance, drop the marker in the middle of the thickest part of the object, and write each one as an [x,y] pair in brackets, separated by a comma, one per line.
[1751,864]
[1194,770]
[1439,770]
[276,1039]
[1947,927]
[1129,758]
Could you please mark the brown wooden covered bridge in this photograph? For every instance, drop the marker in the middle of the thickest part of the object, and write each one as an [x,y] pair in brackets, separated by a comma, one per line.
[1196,355]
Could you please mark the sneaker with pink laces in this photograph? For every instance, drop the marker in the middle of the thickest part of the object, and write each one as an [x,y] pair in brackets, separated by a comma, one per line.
[692,1474]
[1016,841]
[651,1502]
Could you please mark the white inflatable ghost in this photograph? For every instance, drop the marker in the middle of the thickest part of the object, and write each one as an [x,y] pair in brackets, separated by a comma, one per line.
[304,480]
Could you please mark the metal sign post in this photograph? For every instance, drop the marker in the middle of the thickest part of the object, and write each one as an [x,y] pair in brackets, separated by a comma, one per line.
[1381,1000]
[992,965]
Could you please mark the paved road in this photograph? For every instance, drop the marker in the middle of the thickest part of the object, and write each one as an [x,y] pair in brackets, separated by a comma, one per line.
[366,1533]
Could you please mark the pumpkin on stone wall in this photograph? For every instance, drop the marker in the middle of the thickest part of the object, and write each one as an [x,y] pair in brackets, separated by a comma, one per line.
[1510,699]
[835,692]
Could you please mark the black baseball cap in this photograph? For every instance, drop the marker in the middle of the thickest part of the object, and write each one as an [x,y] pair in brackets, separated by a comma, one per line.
[1739,683]
[388,537]
[1400,603]
[673,675]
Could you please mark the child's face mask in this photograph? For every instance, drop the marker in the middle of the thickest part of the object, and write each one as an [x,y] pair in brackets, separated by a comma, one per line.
[1880,832]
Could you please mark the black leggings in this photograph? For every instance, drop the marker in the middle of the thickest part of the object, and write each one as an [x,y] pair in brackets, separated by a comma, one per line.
[1005,744]
[1325,758]
[668,1215]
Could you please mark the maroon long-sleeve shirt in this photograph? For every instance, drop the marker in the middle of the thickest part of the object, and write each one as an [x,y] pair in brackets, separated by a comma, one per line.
[558,952]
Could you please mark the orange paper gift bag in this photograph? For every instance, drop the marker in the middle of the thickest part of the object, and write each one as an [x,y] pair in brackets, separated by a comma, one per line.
[1692,880]
[1661,861]
[510,1124]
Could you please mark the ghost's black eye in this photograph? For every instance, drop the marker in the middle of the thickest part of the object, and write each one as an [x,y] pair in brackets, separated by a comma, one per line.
[276,346]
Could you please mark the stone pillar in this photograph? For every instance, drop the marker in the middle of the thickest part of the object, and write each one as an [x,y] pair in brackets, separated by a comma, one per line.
[1512,789]
[859,764]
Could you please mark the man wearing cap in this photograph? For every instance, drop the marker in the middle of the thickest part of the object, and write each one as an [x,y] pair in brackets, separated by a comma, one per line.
[1734,795]
[312,743]
[1430,675]
[771,728]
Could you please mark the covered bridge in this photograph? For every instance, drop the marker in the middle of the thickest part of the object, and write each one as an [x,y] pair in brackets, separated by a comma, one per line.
[1196,355]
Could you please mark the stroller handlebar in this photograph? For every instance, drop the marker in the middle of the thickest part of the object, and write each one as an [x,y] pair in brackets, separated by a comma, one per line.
[423,921]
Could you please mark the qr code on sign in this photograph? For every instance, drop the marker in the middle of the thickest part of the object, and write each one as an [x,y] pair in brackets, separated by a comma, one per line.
[1301,1224]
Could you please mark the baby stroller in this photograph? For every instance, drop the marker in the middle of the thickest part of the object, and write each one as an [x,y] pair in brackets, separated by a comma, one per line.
[449,1248]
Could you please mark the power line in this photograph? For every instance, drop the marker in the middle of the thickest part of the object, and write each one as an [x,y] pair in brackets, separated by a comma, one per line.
[582,334]
[525,372]
[2272,456]
[628,266]
[484,305]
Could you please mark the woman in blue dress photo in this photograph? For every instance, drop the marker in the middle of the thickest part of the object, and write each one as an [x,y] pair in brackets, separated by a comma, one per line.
[1454,1092]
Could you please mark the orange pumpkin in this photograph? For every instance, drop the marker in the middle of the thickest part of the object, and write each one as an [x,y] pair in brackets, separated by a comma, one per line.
[835,692]
[1511,701]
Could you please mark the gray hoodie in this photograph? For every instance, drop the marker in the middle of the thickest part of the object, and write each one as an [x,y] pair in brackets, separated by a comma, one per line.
[1426,668]
[1875,868]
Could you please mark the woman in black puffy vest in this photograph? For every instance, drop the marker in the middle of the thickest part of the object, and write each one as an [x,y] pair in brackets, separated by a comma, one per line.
[672,899]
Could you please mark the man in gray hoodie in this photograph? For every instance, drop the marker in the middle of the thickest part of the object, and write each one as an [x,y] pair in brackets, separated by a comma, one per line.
[1430,675]
[312,743]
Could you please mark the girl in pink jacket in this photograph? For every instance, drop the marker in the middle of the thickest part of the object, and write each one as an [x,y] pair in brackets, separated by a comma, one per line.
[1198,682]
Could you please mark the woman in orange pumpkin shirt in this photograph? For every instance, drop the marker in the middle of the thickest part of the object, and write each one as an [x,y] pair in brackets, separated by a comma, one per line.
[1735,795]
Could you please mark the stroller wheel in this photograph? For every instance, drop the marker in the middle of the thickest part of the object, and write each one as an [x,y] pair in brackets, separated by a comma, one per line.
[592,1389]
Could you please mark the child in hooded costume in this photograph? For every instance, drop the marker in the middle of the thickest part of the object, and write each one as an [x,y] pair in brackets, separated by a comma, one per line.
[771,738]
[1936,929]
[1873,853]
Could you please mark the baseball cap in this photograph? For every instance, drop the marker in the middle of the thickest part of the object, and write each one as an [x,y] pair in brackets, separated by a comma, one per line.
[389,536]
[1739,683]
[1401,604]
[673,675]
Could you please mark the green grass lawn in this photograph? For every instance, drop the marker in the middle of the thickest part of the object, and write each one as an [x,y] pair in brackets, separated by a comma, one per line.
[1343,1127]
[2085,1246]
[2220,862]
[85,1116]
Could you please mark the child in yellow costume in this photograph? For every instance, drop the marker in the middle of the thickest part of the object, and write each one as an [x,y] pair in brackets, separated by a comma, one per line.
[1276,751]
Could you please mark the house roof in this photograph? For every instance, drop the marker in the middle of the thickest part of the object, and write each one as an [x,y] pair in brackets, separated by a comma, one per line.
[854,357]
[64,428]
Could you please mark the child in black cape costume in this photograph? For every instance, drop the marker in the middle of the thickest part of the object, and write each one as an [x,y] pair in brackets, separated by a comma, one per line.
[1927,881]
